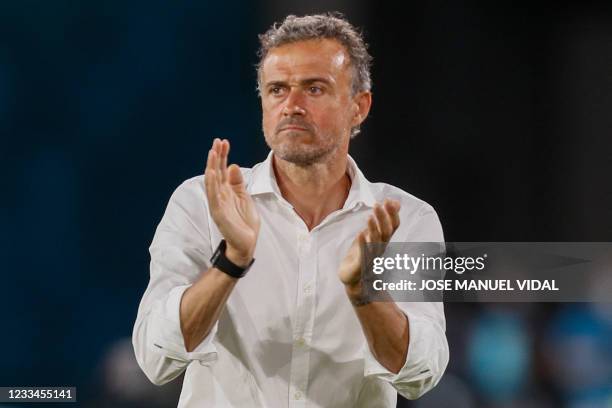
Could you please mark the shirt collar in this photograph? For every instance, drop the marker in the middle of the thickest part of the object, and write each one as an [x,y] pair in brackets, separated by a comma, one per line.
[263,181]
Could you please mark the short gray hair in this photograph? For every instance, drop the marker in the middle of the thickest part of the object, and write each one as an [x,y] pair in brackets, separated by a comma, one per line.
[320,26]
[331,25]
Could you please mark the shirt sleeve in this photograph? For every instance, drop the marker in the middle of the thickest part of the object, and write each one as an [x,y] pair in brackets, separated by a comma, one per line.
[180,252]
[428,353]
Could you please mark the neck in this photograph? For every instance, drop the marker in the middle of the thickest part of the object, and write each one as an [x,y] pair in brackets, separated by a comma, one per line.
[315,190]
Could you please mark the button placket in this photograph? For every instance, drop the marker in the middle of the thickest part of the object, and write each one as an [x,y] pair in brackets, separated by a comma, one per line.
[300,342]
[300,358]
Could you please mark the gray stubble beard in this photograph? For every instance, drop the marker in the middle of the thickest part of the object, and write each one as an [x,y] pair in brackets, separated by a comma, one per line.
[302,157]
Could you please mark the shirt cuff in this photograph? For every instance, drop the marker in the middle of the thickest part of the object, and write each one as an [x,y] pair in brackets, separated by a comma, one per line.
[425,362]
[170,337]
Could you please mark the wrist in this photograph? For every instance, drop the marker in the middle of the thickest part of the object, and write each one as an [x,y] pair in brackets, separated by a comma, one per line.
[238,258]
[356,294]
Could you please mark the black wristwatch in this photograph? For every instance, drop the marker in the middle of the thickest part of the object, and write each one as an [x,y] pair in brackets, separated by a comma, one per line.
[220,261]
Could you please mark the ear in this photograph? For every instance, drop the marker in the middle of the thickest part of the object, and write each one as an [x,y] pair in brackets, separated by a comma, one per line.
[361,103]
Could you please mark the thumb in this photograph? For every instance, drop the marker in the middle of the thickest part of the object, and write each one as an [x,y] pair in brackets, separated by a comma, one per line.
[361,238]
[234,178]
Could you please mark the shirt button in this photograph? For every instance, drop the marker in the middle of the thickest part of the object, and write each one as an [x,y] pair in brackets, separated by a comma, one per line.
[304,241]
[307,288]
[298,395]
[300,342]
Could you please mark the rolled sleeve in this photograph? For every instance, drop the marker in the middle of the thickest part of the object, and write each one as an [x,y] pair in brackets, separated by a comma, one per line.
[428,352]
[426,359]
[180,253]
[170,338]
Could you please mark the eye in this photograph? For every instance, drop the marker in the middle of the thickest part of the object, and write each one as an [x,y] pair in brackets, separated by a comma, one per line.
[315,90]
[276,90]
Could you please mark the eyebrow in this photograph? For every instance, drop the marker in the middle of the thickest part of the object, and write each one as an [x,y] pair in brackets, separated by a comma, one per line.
[305,81]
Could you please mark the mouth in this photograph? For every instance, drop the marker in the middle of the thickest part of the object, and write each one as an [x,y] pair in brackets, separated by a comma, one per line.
[293,128]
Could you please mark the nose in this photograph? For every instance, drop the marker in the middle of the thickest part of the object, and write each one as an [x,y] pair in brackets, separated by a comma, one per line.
[294,104]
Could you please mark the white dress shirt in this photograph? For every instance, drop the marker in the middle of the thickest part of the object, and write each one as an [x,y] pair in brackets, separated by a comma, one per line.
[288,336]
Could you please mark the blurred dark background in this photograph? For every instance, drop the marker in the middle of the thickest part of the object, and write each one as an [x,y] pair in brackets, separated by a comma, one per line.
[499,114]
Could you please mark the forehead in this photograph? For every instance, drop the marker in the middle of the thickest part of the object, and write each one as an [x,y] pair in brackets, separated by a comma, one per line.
[322,57]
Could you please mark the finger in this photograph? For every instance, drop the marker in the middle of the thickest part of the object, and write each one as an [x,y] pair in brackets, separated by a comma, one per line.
[360,240]
[215,145]
[223,160]
[393,208]
[392,205]
[213,162]
[214,166]
[210,162]
[384,222]
[365,233]
[373,231]
[208,167]
[210,181]
[218,145]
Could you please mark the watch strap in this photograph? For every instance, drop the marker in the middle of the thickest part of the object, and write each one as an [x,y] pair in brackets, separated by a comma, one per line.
[220,261]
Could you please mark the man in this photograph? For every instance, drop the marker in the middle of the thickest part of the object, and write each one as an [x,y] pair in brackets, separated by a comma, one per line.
[294,331]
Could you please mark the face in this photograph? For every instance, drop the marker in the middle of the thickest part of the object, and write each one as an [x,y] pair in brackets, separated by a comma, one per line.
[308,107]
